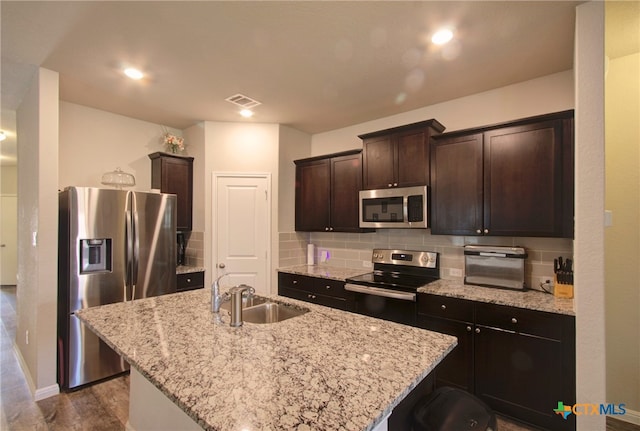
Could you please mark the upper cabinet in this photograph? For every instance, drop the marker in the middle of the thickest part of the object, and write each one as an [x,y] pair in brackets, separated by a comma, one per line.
[327,192]
[174,174]
[513,179]
[398,157]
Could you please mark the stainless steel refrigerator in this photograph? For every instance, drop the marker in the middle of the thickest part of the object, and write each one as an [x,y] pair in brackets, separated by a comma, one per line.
[114,246]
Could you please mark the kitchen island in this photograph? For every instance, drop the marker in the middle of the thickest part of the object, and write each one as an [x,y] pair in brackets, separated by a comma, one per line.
[326,369]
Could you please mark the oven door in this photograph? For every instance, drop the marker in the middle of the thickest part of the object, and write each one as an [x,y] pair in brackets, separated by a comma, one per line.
[388,304]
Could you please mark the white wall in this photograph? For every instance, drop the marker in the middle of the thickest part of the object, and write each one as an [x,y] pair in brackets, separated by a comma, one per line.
[8,180]
[589,208]
[622,239]
[37,120]
[239,148]
[550,93]
[93,142]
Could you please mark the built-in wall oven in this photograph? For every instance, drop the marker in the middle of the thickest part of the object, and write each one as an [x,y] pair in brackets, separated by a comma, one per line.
[390,291]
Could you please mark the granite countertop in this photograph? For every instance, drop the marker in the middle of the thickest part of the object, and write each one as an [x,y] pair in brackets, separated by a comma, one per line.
[186,269]
[529,299]
[324,271]
[324,370]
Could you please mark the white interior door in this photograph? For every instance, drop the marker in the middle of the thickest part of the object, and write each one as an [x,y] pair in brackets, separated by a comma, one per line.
[8,240]
[242,226]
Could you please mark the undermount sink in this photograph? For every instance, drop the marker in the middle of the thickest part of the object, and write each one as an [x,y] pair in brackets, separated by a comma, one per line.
[256,309]
[247,301]
[271,312]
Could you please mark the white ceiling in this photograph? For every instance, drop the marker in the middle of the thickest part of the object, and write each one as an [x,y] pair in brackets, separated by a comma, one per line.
[314,65]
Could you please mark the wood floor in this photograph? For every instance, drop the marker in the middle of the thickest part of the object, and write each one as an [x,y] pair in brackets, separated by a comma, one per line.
[100,407]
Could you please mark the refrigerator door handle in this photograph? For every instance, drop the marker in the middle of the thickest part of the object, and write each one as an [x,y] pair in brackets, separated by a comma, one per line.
[136,253]
[128,253]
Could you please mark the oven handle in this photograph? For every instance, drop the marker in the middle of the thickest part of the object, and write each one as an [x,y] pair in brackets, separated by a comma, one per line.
[376,291]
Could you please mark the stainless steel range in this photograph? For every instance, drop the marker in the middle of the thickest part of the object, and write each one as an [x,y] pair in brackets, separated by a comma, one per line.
[390,291]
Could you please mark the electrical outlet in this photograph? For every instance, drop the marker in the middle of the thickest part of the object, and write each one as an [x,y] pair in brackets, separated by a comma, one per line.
[455,272]
[366,263]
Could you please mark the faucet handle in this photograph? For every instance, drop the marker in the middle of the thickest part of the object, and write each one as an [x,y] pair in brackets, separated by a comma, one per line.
[249,289]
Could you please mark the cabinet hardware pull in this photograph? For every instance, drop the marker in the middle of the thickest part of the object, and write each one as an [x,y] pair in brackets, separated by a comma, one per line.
[444,307]
[468,328]
[295,281]
[326,228]
[188,280]
[477,330]
[395,184]
[328,287]
[486,231]
[514,320]
[389,185]
[221,265]
[478,231]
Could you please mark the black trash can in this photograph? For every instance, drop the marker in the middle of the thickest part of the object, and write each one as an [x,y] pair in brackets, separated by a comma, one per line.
[451,409]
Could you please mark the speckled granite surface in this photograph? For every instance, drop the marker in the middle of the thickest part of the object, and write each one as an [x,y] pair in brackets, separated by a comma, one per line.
[324,370]
[325,271]
[184,269]
[530,299]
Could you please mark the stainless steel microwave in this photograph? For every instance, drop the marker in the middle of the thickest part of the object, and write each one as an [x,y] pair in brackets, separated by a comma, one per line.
[402,207]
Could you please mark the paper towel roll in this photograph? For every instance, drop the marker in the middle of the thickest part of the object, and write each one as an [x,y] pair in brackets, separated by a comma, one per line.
[311,249]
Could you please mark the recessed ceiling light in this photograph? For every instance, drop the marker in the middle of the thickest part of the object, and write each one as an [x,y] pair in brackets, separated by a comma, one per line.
[246,113]
[442,36]
[133,73]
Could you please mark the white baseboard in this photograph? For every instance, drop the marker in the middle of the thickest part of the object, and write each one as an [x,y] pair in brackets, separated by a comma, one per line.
[37,393]
[631,416]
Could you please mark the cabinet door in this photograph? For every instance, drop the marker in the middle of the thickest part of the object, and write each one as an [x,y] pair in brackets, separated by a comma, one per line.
[457,368]
[456,186]
[379,163]
[346,182]
[312,196]
[412,149]
[523,180]
[174,174]
[522,376]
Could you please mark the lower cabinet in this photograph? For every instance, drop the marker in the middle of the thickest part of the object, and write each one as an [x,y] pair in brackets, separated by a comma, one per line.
[520,362]
[322,291]
[189,281]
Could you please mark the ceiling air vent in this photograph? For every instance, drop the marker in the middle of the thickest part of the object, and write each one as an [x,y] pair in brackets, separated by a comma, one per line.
[242,101]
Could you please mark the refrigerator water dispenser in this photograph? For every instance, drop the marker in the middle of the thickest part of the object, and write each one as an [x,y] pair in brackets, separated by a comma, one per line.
[95,255]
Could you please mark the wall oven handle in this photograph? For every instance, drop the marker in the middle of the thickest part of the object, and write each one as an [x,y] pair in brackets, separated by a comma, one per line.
[376,291]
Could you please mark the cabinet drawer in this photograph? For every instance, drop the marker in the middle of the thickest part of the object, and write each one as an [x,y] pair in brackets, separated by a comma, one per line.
[189,281]
[314,285]
[520,320]
[295,281]
[328,287]
[314,298]
[445,307]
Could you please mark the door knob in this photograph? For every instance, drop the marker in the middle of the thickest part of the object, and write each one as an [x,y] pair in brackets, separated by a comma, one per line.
[221,265]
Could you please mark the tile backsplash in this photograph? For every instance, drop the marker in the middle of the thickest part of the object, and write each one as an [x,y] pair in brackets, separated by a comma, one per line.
[195,249]
[353,250]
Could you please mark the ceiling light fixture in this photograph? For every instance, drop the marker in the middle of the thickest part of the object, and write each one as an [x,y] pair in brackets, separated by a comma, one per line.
[3,136]
[246,113]
[442,36]
[133,73]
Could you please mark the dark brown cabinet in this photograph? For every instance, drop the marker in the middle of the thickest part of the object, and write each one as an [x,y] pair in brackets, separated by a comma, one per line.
[520,362]
[398,157]
[174,174]
[322,291]
[326,195]
[189,281]
[514,179]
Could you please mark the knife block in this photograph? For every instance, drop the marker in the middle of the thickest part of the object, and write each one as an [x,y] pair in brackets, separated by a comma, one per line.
[562,290]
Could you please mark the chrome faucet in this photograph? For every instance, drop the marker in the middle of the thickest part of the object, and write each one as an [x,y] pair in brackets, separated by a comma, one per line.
[216,298]
[236,303]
